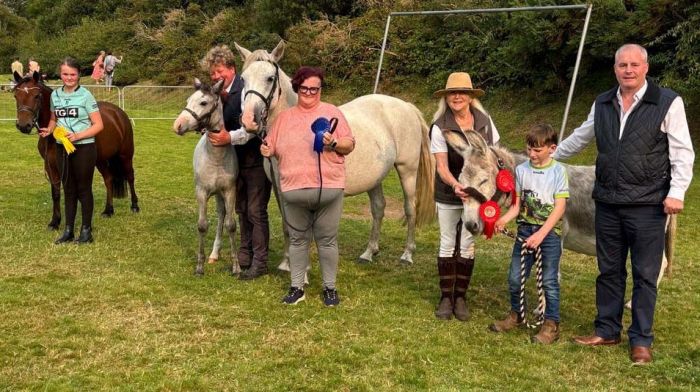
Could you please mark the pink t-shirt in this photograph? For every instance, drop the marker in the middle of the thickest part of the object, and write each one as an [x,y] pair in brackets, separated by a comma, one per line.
[291,140]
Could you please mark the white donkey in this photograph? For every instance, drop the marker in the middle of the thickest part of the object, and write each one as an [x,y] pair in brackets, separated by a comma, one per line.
[215,169]
[578,231]
[388,132]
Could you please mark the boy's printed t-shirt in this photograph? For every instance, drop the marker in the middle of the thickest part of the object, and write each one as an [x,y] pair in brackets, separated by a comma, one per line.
[73,110]
[537,188]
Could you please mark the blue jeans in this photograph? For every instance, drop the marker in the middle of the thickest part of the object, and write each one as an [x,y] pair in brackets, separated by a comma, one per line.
[551,254]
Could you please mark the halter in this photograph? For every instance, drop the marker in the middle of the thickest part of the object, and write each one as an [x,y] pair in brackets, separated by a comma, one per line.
[34,111]
[267,100]
[204,120]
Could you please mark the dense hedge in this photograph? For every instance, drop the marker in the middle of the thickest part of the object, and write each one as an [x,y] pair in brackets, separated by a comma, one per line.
[162,40]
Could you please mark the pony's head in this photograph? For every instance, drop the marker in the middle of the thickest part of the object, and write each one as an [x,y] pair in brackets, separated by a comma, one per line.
[478,175]
[203,111]
[29,96]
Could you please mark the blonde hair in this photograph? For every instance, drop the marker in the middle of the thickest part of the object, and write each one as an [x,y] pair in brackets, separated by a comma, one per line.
[442,107]
[220,54]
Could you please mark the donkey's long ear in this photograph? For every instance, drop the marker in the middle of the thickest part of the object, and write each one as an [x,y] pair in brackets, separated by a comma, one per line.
[278,51]
[37,76]
[476,141]
[242,51]
[456,142]
[197,84]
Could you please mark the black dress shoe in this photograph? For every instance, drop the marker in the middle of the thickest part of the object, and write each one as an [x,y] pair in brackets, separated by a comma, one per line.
[85,235]
[253,272]
[66,236]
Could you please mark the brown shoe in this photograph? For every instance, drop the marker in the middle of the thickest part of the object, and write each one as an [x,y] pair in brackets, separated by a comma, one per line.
[461,310]
[505,325]
[444,310]
[640,355]
[594,340]
[549,333]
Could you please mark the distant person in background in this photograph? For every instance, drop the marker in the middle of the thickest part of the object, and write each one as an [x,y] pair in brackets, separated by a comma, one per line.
[98,68]
[33,66]
[17,67]
[110,63]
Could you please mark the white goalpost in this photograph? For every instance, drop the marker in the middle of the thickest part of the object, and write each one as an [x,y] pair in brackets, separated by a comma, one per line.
[587,7]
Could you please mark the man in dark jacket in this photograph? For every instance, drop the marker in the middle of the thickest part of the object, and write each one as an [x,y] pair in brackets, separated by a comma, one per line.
[253,188]
[643,169]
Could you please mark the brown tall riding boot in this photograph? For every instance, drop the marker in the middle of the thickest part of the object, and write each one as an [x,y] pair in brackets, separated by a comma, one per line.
[446,270]
[549,333]
[463,277]
[511,321]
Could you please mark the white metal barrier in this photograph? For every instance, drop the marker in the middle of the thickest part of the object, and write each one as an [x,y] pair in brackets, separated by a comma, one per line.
[139,102]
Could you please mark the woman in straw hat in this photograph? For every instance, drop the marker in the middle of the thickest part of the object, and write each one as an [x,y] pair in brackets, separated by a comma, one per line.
[458,111]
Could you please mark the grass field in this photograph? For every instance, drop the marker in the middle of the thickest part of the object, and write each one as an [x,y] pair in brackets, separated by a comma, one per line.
[127,313]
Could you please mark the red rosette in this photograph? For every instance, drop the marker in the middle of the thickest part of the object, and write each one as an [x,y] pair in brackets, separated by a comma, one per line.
[506,183]
[489,213]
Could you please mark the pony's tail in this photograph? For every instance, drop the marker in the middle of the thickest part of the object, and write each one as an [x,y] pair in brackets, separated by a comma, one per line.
[425,179]
[670,242]
[116,167]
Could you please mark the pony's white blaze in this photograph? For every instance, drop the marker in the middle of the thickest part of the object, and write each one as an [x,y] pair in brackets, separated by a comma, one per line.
[388,133]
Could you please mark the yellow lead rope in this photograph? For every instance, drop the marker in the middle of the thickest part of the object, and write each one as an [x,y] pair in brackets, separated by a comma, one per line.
[61,135]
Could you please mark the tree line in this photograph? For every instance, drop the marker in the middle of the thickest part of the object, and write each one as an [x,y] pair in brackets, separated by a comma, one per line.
[162,40]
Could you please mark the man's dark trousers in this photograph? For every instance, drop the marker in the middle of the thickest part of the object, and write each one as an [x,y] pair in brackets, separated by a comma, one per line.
[638,229]
[252,196]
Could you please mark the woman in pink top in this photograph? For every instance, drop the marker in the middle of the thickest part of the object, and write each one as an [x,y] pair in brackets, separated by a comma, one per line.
[98,68]
[311,182]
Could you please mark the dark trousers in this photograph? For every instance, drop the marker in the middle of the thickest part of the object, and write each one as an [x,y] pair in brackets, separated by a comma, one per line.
[639,230]
[77,170]
[252,195]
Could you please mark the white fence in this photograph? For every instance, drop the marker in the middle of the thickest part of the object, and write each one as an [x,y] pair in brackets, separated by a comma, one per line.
[139,102]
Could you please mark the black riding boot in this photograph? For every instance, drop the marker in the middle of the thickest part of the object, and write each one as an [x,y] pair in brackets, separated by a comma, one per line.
[85,235]
[66,236]
[464,276]
[446,270]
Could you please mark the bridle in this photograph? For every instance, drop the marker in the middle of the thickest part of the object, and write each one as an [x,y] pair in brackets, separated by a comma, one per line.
[204,120]
[35,111]
[480,197]
[267,100]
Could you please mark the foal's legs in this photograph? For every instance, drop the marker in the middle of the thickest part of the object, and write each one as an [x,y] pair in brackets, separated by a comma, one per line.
[220,214]
[377,204]
[202,226]
[107,177]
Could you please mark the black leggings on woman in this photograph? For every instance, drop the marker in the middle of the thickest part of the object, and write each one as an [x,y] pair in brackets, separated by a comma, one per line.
[77,170]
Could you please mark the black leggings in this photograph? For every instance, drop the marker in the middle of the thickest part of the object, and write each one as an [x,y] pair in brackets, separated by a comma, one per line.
[77,170]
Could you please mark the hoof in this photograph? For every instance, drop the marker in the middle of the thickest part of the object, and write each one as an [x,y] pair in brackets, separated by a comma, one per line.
[52,227]
[362,260]
[106,214]
[235,271]
[199,274]
[135,209]
[211,260]
[406,262]
[284,266]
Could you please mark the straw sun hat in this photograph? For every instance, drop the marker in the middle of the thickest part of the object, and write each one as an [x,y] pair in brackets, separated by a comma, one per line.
[459,81]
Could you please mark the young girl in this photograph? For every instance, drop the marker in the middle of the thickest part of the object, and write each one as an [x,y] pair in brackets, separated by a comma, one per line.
[74,108]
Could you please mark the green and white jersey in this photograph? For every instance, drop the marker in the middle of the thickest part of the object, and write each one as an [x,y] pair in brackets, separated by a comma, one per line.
[537,188]
[73,110]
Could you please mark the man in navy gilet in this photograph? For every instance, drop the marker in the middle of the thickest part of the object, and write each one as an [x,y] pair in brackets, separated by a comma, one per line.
[643,169]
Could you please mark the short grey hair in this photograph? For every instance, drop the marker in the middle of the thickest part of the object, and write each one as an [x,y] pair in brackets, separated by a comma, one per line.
[220,54]
[632,46]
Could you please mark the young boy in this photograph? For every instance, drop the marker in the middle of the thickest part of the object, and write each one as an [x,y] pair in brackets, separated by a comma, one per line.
[542,187]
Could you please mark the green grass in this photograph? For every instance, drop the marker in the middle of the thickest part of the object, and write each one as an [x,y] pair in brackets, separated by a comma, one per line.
[127,313]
